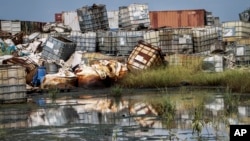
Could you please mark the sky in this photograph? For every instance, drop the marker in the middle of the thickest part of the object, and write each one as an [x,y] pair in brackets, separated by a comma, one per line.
[44,10]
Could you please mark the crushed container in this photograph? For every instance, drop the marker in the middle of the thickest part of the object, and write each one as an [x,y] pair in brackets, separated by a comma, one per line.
[58,48]
[144,56]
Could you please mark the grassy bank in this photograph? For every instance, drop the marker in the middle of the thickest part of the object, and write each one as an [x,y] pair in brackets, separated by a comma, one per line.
[236,80]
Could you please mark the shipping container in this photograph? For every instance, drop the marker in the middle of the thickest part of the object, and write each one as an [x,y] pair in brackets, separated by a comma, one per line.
[178,18]
[70,19]
[58,18]
[13,27]
[84,41]
[93,18]
[113,19]
[134,16]
[144,56]
[12,84]
[236,29]
[58,48]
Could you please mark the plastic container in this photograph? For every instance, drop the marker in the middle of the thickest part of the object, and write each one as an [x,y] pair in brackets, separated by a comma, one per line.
[84,41]
[57,48]
[178,40]
[204,38]
[106,42]
[134,16]
[93,18]
[126,41]
[12,84]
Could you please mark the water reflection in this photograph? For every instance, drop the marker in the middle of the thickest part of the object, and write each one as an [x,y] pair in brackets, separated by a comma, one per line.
[128,118]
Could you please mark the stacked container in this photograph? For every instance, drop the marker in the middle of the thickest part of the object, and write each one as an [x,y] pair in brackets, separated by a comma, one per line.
[12,84]
[127,40]
[57,48]
[245,15]
[144,56]
[242,55]
[204,38]
[92,18]
[177,40]
[234,30]
[84,41]
[12,27]
[134,16]
[106,42]
[113,19]
[244,41]
[152,37]
[70,19]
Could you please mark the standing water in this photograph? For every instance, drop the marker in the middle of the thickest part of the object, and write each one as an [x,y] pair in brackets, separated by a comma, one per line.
[125,115]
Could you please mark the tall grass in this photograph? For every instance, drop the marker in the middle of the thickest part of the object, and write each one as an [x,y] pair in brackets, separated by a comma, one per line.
[236,80]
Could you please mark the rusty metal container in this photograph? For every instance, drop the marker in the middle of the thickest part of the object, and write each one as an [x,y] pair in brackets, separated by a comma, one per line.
[59,82]
[144,56]
[12,84]
[178,18]
[58,18]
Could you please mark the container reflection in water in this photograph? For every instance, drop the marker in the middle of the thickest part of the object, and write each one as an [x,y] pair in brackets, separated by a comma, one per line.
[132,117]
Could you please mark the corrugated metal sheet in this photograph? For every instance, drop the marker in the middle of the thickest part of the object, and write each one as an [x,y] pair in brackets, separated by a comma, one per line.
[70,18]
[178,18]
[58,17]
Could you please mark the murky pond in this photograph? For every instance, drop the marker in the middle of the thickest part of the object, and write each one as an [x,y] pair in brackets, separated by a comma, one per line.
[131,115]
